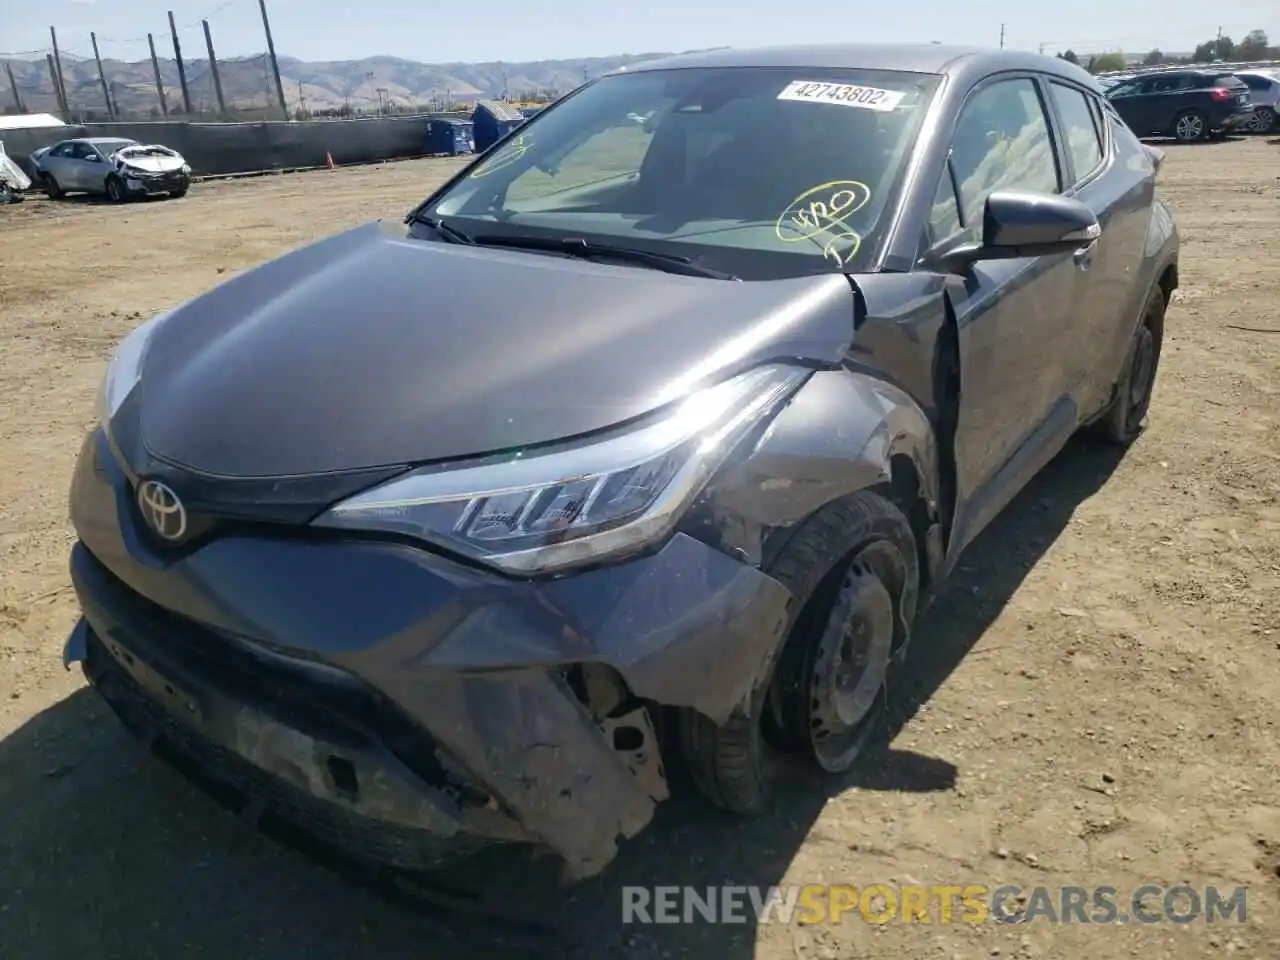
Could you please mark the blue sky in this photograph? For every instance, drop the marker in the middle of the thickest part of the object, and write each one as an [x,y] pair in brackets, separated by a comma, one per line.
[516,30]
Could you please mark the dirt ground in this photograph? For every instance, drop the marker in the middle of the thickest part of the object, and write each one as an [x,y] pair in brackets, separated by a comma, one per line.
[1094,701]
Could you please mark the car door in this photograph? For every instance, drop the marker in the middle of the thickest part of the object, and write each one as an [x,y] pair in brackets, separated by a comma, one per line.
[1173,95]
[79,169]
[1109,171]
[1132,102]
[1012,316]
[93,169]
[55,161]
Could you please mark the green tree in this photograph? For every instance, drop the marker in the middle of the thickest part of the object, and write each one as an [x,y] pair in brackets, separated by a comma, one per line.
[1254,46]
[1069,56]
[1106,63]
[1220,48]
[1154,58]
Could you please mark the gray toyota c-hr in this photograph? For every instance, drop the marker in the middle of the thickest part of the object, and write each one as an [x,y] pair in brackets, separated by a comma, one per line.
[634,442]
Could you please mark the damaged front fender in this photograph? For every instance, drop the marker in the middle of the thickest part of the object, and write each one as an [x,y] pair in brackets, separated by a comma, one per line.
[843,432]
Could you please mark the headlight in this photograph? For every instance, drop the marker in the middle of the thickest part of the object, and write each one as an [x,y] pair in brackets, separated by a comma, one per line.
[125,369]
[186,168]
[540,513]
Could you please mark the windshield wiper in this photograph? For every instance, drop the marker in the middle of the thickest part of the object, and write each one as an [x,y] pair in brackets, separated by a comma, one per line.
[588,250]
[452,234]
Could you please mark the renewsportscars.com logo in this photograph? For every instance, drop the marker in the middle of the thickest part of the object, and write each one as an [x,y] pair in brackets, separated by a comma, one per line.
[914,903]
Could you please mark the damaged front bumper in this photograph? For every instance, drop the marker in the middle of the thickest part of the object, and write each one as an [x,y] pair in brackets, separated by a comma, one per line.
[151,184]
[404,707]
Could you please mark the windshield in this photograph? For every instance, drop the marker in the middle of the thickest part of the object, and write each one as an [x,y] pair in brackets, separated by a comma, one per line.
[108,147]
[760,173]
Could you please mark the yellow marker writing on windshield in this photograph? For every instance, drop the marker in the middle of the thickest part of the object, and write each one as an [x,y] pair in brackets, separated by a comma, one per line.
[508,155]
[821,213]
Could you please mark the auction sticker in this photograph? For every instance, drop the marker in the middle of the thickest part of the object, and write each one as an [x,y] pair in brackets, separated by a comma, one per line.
[842,94]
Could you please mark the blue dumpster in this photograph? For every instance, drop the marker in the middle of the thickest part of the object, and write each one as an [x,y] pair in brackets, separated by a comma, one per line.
[450,137]
[493,120]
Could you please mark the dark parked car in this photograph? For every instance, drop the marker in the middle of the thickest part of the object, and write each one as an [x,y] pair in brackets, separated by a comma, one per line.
[1187,105]
[713,407]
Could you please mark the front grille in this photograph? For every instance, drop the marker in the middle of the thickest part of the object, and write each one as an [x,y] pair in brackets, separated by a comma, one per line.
[316,699]
[246,790]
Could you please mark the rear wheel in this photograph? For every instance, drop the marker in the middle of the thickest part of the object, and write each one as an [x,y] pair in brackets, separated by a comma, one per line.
[853,573]
[8,194]
[1126,417]
[1262,121]
[51,187]
[1190,127]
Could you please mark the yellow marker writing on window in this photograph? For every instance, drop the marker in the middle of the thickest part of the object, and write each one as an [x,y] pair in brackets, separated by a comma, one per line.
[820,214]
[508,155]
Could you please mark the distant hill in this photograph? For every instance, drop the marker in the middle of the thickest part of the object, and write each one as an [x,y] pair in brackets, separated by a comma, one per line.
[358,86]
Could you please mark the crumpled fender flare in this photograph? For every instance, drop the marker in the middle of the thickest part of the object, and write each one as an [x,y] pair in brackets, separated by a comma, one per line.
[842,432]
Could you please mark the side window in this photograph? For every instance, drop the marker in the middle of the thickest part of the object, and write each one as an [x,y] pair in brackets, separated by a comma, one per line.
[82,151]
[1097,108]
[61,150]
[1079,129]
[1002,141]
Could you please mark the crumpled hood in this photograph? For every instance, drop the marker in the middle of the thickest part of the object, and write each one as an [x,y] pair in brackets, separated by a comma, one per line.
[151,163]
[373,348]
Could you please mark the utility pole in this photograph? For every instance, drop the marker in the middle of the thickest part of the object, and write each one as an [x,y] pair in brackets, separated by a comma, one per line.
[182,69]
[1217,46]
[1002,36]
[271,52]
[13,85]
[302,101]
[102,77]
[58,92]
[155,68]
[213,68]
[58,80]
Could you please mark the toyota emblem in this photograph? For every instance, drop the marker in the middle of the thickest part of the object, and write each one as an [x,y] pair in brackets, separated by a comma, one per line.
[162,510]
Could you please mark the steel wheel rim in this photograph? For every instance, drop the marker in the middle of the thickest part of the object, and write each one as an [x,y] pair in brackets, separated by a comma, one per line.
[1190,127]
[846,686]
[1254,123]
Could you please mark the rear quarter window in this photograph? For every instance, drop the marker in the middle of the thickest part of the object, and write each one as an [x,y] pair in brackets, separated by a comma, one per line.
[1080,129]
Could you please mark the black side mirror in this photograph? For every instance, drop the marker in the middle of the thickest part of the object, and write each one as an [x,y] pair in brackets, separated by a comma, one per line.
[1021,223]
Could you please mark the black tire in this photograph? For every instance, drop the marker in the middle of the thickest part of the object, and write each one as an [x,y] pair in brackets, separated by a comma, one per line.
[178,194]
[116,191]
[8,194]
[840,565]
[1125,419]
[51,187]
[1265,120]
[1190,126]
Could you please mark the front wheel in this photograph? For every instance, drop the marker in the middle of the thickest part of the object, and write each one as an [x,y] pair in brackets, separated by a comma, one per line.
[1190,127]
[116,192]
[1262,121]
[853,573]
[1125,418]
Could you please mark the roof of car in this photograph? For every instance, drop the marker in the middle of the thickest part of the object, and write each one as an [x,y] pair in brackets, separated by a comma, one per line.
[914,58]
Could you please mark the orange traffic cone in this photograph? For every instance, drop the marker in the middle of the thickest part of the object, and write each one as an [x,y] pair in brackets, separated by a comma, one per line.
[328,160]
